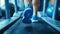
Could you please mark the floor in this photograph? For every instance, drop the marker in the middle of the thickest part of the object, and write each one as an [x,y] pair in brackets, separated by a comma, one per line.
[5,22]
[52,22]
[33,28]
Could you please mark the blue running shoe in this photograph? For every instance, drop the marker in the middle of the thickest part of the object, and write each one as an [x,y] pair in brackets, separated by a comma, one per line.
[28,12]
[34,18]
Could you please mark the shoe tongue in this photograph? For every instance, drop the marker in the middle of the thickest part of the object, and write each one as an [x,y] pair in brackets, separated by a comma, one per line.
[28,6]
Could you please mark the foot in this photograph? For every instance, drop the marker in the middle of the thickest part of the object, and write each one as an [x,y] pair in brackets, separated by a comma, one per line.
[34,18]
[28,12]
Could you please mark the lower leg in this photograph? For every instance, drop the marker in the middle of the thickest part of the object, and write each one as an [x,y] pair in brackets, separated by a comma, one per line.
[27,2]
[35,7]
[52,2]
